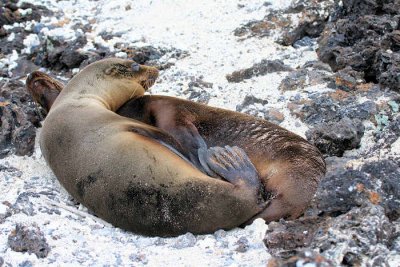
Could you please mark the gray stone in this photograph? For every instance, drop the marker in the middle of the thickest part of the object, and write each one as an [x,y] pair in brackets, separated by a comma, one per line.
[333,138]
[28,239]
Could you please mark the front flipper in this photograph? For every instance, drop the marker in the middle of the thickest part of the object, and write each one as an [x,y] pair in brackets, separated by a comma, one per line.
[191,142]
[233,165]
[162,137]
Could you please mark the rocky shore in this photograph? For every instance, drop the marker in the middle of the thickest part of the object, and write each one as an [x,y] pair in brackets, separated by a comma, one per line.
[327,70]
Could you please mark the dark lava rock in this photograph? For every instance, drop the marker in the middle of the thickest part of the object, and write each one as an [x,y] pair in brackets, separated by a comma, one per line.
[305,257]
[347,79]
[341,190]
[150,55]
[388,135]
[364,36]
[16,44]
[284,238]
[313,16]
[197,90]
[19,117]
[242,244]
[274,115]
[200,96]
[144,54]
[345,188]
[295,80]
[312,73]
[11,170]
[260,28]
[10,14]
[29,239]
[24,68]
[258,69]
[198,82]
[60,55]
[342,240]
[250,100]
[324,108]
[388,172]
[333,138]
[362,231]
[23,204]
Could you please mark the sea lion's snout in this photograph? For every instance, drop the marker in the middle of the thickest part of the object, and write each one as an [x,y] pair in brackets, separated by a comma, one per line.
[150,76]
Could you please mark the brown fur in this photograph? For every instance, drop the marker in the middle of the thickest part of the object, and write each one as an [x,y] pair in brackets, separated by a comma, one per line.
[289,166]
[125,177]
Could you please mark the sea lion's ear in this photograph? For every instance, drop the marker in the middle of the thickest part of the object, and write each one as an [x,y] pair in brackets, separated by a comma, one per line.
[135,67]
[109,70]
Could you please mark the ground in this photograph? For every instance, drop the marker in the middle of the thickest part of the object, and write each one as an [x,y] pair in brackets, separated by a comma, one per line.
[283,61]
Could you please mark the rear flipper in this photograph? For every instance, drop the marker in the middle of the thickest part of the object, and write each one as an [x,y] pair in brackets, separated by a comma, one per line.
[233,165]
[43,89]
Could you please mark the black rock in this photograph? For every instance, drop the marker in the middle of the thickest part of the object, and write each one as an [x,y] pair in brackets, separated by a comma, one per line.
[341,190]
[19,117]
[313,17]
[29,239]
[388,172]
[60,55]
[333,138]
[323,109]
[306,257]
[388,135]
[364,36]
[258,69]
[285,238]
[150,55]
[9,12]
[242,244]
[361,231]
[250,100]
[295,80]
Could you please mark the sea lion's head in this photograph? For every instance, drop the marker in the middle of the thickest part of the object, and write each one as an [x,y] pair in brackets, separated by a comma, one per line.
[129,71]
[112,80]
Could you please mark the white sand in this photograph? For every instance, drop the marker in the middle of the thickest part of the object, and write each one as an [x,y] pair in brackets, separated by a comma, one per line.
[205,30]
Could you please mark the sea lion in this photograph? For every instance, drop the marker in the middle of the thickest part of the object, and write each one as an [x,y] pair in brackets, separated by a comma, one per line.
[115,167]
[289,167]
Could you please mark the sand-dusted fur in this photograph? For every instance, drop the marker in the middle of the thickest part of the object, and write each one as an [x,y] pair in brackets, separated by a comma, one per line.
[107,162]
[289,166]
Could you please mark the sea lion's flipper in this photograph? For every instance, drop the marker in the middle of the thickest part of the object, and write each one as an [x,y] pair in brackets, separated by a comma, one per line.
[191,141]
[159,136]
[43,89]
[232,164]
[203,154]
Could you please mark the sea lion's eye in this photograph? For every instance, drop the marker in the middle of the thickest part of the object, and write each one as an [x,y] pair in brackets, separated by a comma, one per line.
[135,67]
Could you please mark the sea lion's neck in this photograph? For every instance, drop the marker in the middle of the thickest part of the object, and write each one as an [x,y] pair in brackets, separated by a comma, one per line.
[114,95]
[110,94]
